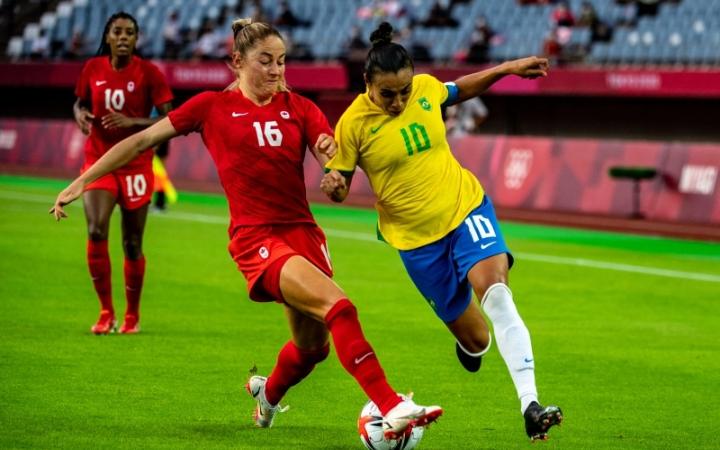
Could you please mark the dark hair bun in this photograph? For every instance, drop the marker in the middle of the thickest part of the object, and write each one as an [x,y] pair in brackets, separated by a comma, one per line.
[382,36]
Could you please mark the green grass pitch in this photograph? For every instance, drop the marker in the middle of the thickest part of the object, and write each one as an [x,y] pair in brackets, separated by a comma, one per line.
[625,332]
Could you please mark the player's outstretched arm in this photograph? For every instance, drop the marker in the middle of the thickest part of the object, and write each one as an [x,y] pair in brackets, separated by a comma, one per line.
[119,155]
[474,84]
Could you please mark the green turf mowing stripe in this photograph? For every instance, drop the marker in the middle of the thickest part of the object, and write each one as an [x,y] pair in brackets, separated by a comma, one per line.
[604,239]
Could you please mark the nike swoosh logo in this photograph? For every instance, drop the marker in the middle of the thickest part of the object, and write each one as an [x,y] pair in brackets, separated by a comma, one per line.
[362,358]
[237,114]
[374,130]
[484,246]
[100,83]
[528,360]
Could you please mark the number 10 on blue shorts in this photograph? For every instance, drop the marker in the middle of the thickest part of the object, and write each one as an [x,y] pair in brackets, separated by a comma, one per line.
[439,270]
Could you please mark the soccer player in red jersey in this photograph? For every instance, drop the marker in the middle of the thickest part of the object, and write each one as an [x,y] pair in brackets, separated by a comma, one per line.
[115,94]
[257,133]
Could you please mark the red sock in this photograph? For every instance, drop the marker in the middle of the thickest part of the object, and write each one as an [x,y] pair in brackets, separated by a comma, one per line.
[293,364]
[357,356]
[134,274]
[99,265]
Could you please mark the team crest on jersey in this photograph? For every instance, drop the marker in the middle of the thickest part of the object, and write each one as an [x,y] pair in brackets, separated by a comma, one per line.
[284,114]
[264,253]
[130,86]
[425,104]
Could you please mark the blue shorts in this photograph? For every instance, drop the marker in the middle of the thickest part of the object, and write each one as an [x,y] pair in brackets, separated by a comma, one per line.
[439,270]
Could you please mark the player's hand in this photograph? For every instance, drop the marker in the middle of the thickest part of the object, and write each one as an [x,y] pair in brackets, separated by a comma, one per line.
[67,196]
[530,67]
[116,120]
[84,119]
[332,182]
[326,145]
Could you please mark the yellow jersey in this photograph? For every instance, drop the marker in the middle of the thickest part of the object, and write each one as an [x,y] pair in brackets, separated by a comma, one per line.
[422,191]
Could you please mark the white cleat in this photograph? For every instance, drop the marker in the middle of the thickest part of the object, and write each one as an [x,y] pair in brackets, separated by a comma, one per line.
[264,412]
[407,414]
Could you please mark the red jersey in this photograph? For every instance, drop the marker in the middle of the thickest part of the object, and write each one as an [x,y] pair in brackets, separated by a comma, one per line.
[132,90]
[258,151]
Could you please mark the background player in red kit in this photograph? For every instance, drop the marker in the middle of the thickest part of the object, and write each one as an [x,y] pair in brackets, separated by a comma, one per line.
[257,132]
[115,94]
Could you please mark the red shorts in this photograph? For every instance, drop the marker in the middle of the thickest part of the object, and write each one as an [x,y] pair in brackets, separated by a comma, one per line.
[261,251]
[131,187]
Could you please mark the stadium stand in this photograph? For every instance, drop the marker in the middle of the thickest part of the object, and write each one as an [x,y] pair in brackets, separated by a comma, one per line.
[685,32]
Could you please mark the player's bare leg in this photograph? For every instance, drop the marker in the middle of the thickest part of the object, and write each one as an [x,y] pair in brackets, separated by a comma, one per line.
[98,205]
[472,336]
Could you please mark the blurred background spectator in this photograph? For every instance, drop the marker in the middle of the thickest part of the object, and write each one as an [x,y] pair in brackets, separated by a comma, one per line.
[209,44]
[480,39]
[381,9]
[40,48]
[171,36]
[562,16]
[465,118]
[647,7]
[440,15]
[287,19]
[552,48]
[414,44]
[78,48]
[642,32]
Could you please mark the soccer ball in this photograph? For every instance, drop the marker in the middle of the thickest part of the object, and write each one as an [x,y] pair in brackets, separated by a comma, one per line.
[372,435]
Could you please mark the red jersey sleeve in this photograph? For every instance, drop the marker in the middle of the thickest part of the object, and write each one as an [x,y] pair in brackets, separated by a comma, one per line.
[191,115]
[315,122]
[82,88]
[159,88]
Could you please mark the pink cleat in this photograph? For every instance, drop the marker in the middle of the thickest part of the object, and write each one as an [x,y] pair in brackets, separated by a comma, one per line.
[106,324]
[131,325]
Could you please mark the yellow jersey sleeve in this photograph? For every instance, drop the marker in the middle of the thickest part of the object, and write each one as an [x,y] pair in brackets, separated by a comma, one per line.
[346,157]
[422,191]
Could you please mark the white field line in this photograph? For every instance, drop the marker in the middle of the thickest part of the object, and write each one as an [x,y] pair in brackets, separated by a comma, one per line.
[550,259]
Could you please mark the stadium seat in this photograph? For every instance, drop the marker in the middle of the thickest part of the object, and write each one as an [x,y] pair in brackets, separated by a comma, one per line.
[684,26]
[15,48]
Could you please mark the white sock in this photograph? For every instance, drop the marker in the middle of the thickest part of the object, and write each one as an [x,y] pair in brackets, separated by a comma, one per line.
[513,341]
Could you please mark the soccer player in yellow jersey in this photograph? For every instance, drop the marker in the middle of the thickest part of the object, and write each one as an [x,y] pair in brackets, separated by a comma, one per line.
[434,211]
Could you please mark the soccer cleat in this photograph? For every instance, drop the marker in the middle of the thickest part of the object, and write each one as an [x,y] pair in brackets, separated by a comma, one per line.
[106,324]
[264,413]
[470,363]
[538,420]
[131,325]
[407,415]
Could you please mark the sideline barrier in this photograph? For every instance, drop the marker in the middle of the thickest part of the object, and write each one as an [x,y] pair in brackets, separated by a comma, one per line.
[319,77]
[524,173]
